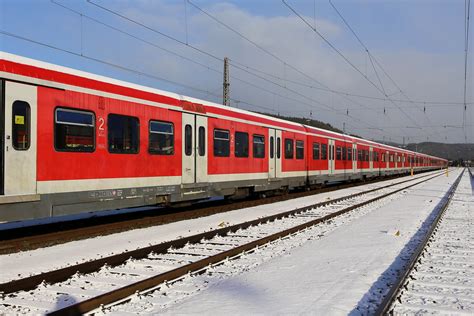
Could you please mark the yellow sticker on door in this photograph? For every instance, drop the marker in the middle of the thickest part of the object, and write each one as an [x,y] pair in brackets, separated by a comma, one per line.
[19,120]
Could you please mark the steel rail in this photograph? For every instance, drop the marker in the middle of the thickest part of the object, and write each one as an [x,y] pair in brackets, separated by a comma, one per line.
[63,274]
[396,288]
[200,265]
[29,238]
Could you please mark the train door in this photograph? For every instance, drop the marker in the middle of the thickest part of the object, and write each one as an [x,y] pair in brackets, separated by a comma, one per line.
[371,158]
[194,148]
[278,154]
[271,153]
[201,149]
[2,135]
[331,162]
[19,154]
[354,158]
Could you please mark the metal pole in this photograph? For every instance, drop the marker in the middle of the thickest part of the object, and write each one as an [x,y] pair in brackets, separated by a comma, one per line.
[226,84]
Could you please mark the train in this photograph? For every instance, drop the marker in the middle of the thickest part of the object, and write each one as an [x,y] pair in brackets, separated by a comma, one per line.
[73,142]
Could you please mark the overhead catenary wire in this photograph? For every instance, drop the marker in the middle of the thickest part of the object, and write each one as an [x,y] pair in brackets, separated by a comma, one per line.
[344,57]
[246,38]
[257,44]
[411,101]
[249,67]
[260,88]
[287,79]
[372,59]
[209,54]
[331,45]
[467,7]
[123,68]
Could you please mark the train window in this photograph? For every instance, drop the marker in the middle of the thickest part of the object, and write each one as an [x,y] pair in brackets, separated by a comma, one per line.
[338,153]
[391,158]
[123,132]
[21,125]
[361,155]
[202,141]
[315,151]
[188,140]
[343,153]
[278,148]
[74,130]
[299,149]
[272,147]
[259,146]
[349,153]
[289,148]
[366,155]
[324,151]
[241,144]
[221,143]
[161,138]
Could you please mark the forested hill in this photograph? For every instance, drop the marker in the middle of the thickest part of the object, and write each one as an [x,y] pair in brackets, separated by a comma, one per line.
[306,121]
[447,151]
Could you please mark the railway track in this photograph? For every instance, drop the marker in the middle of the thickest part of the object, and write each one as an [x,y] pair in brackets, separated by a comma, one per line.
[439,278]
[29,238]
[84,287]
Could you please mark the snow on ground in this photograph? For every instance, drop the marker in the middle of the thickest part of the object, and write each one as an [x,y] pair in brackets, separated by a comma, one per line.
[443,282]
[32,262]
[336,274]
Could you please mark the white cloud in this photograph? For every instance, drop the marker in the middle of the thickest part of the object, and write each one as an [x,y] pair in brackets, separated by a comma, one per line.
[421,75]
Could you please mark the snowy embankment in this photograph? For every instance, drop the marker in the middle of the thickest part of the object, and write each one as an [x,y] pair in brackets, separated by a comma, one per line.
[19,265]
[443,281]
[329,269]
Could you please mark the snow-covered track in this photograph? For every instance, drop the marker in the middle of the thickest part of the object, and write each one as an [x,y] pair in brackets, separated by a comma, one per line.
[114,278]
[439,278]
[25,238]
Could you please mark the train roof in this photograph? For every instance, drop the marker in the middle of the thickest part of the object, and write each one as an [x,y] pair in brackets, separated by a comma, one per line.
[173,99]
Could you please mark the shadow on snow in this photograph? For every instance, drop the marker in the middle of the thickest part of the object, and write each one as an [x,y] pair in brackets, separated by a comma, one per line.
[371,300]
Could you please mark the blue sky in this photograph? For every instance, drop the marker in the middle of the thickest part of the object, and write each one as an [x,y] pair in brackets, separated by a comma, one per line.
[419,43]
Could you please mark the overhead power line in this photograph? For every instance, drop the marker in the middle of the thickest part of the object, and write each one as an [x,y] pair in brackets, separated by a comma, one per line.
[343,93]
[467,6]
[372,59]
[192,60]
[130,70]
[263,49]
[233,63]
[134,71]
[332,46]
[345,58]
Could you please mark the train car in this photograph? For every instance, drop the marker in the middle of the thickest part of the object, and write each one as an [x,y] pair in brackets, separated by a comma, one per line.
[74,142]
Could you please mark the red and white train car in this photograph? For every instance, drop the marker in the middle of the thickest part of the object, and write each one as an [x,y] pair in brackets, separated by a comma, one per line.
[75,142]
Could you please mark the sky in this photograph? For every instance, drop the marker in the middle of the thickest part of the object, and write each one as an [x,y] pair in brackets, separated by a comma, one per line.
[278,63]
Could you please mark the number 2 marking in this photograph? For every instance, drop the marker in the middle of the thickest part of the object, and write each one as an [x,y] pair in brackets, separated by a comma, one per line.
[101,123]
